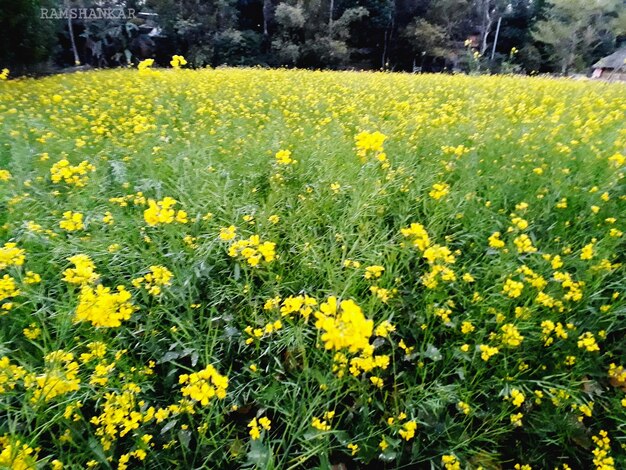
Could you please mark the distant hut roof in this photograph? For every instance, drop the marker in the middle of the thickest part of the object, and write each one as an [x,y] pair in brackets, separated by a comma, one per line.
[614,61]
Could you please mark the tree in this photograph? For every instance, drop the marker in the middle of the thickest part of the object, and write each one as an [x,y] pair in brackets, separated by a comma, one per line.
[573,29]
[25,38]
[487,13]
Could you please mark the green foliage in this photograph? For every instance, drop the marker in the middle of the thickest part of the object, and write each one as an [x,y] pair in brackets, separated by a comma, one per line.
[573,29]
[25,38]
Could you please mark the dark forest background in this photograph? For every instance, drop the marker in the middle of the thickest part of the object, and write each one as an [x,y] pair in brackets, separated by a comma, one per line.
[533,36]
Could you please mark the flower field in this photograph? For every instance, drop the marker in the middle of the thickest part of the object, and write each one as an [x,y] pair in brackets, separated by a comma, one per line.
[241,268]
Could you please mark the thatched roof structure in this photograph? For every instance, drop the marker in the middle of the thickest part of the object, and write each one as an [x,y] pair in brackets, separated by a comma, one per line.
[615,61]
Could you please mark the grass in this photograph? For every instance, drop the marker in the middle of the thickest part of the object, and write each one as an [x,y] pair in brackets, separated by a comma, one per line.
[469,349]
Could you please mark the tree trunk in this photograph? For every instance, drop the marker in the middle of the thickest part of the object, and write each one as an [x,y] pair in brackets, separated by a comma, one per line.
[330,15]
[486,23]
[267,11]
[72,40]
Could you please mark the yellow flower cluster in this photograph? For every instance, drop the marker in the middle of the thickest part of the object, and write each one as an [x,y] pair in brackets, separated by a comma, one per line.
[178,61]
[301,304]
[162,212]
[11,255]
[511,336]
[344,326]
[253,250]
[283,157]
[465,408]
[574,289]
[548,327]
[120,415]
[153,281]
[495,241]
[72,221]
[513,288]
[524,244]
[602,453]
[516,397]
[72,175]
[450,462]
[437,256]
[323,424]
[373,272]
[258,333]
[145,67]
[588,342]
[408,430]
[8,290]
[439,190]
[10,374]
[102,307]
[383,294]
[487,352]
[418,236]
[204,385]
[60,377]
[370,144]
[83,272]
[256,425]
[14,454]
[616,373]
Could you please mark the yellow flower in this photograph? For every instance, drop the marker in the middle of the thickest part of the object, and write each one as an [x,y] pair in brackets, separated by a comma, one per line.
[11,255]
[83,272]
[516,419]
[72,221]
[450,462]
[517,398]
[587,252]
[588,342]
[487,352]
[5,175]
[494,240]
[384,328]
[524,244]
[408,430]
[511,336]
[418,234]
[204,385]
[228,233]
[320,425]
[513,288]
[102,307]
[344,326]
[177,61]
[283,157]
[367,143]
[71,175]
[372,272]
[439,190]
[162,212]
[383,444]
[32,332]
[144,67]
[464,407]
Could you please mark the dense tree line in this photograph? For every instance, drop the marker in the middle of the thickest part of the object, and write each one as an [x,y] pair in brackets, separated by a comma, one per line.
[415,35]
